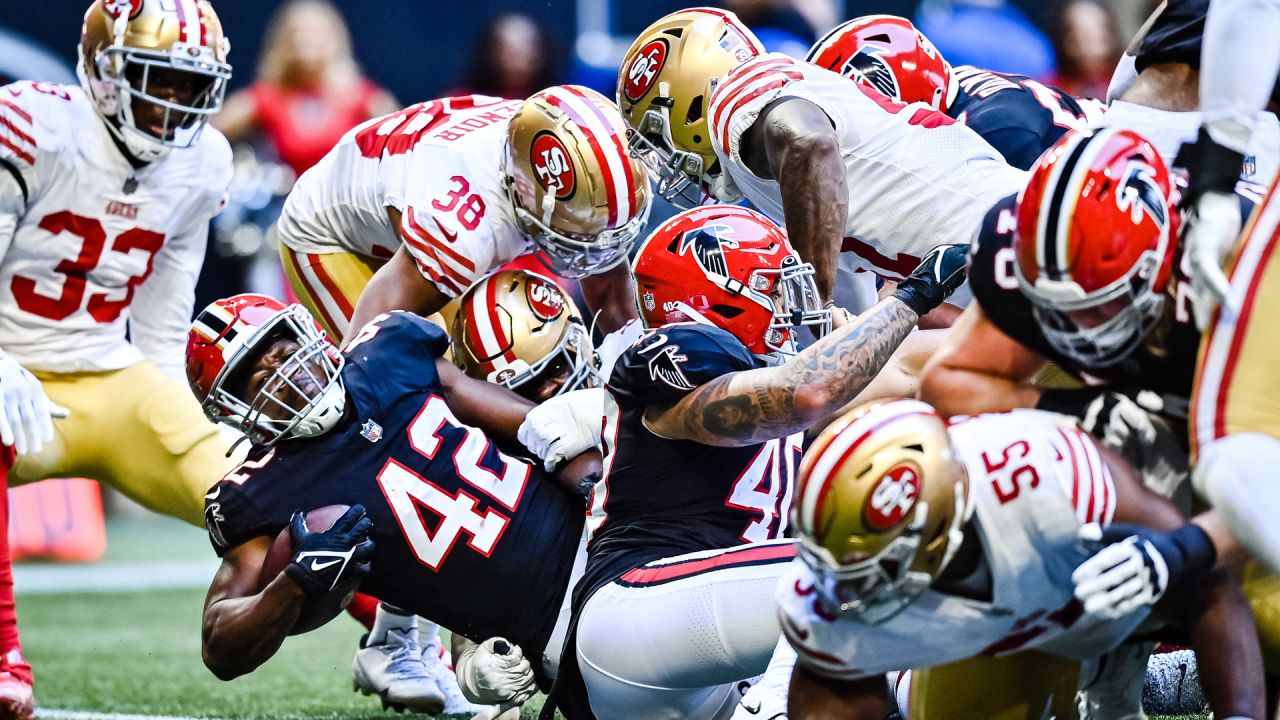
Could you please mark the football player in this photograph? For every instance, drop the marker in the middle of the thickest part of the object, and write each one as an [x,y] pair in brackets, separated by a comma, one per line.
[1018,116]
[714,115]
[390,426]
[421,203]
[106,191]
[1156,87]
[516,328]
[704,418]
[922,543]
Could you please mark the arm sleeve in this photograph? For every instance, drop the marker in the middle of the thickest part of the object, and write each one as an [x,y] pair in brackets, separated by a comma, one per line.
[161,310]
[1240,60]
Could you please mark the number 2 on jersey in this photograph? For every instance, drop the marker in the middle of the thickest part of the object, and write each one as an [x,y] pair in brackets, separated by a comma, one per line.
[406,491]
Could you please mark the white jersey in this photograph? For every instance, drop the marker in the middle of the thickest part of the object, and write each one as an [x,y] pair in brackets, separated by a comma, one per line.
[1033,482]
[917,179]
[440,164]
[89,245]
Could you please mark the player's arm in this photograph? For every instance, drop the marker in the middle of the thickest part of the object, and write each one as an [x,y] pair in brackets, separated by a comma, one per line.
[1203,600]
[242,627]
[398,285]
[612,294]
[815,697]
[980,369]
[493,408]
[795,142]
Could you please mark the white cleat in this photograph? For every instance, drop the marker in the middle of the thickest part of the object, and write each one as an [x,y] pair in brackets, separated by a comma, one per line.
[439,665]
[763,701]
[394,671]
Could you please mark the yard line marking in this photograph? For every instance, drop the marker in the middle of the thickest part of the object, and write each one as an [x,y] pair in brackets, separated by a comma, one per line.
[81,715]
[112,577]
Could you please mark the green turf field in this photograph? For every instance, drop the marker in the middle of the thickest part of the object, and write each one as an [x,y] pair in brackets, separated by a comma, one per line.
[138,653]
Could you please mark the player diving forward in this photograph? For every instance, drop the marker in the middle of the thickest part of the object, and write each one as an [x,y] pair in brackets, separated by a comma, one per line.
[106,191]
[703,429]
[383,426]
[924,543]
[714,115]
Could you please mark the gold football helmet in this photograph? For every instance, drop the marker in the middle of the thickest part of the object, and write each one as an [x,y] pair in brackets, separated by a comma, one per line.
[516,328]
[576,191]
[155,69]
[879,506]
[664,87]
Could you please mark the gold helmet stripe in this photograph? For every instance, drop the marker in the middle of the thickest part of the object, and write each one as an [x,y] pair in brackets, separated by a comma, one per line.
[605,136]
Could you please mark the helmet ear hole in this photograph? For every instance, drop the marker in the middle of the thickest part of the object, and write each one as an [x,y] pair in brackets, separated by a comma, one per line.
[727,311]
[694,114]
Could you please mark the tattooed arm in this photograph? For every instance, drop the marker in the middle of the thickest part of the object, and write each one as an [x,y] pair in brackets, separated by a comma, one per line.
[749,407]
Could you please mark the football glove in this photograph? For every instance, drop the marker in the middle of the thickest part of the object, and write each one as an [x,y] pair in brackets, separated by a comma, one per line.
[563,427]
[1211,227]
[26,414]
[321,560]
[1138,565]
[493,672]
[934,279]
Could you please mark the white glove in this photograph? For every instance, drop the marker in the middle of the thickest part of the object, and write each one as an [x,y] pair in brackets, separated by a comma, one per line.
[494,672]
[1121,577]
[26,415]
[564,427]
[1210,231]
[1118,422]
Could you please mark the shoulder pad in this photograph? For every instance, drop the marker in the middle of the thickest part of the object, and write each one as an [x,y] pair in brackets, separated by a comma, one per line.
[668,363]
[401,326]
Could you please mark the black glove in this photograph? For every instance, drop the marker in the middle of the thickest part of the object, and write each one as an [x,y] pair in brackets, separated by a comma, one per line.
[1211,168]
[321,560]
[937,276]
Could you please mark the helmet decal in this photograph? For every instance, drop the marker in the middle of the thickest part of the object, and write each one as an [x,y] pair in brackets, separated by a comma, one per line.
[707,244]
[1139,194]
[644,69]
[869,67]
[544,298]
[114,8]
[894,497]
[552,165]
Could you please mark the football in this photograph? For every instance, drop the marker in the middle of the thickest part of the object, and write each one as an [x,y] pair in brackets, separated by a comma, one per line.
[319,609]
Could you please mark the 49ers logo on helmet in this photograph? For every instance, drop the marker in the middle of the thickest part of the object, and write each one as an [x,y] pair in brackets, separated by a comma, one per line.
[893,497]
[129,8]
[551,163]
[544,299]
[644,69]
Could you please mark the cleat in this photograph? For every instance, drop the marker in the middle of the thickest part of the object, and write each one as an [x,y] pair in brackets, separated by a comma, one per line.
[394,671]
[17,701]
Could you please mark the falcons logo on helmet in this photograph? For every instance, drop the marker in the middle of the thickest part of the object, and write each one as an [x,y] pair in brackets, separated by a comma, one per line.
[665,366]
[1140,194]
[708,244]
[868,67]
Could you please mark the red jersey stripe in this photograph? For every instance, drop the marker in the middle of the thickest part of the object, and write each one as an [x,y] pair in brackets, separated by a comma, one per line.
[22,154]
[724,132]
[17,131]
[17,109]
[443,247]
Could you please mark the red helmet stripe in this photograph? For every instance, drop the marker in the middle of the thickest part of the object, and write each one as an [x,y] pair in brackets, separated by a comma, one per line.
[188,19]
[616,152]
[572,106]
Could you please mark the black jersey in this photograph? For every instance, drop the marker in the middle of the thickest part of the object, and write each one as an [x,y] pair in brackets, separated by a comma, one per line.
[1016,115]
[476,540]
[1164,364]
[662,497]
[1176,36]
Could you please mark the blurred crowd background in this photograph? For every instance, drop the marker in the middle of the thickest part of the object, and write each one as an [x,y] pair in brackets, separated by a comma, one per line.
[308,70]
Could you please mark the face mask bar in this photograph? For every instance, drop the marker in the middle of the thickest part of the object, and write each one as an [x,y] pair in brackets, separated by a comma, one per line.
[795,304]
[315,359]
[874,590]
[1115,339]
[574,349]
[181,123]
[577,256]
[678,173]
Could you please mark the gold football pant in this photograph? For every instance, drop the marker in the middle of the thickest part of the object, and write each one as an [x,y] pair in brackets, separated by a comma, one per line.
[135,430]
[1021,686]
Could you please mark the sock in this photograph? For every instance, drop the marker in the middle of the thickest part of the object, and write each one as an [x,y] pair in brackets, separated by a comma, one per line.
[8,611]
[392,618]
[363,608]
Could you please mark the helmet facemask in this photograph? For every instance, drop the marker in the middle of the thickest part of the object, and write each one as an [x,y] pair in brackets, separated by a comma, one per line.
[791,294]
[304,395]
[682,176]
[574,352]
[575,255]
[124,85]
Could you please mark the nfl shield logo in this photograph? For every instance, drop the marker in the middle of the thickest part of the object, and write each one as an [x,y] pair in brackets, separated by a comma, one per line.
[371,431]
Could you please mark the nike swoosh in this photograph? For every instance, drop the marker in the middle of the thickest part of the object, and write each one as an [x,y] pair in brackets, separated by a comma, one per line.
[450,236]
[317,566]
[214,493]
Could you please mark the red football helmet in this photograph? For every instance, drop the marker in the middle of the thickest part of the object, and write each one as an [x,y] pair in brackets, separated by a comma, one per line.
[302,397]
[734,268]
[1097,229]
[888,54]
